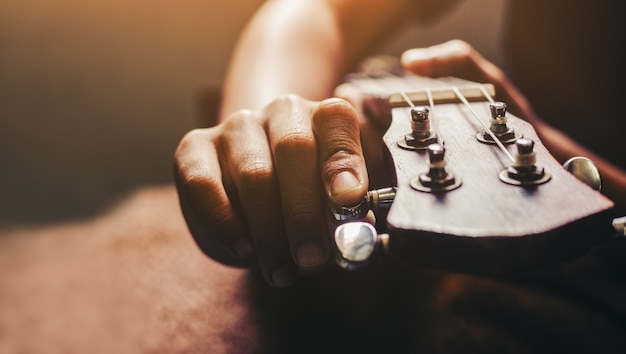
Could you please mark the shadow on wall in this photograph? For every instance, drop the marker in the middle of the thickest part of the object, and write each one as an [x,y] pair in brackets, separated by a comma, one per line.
[94,96]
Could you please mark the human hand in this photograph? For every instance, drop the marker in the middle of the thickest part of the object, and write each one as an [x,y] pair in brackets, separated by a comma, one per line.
[255,189]
[459,59]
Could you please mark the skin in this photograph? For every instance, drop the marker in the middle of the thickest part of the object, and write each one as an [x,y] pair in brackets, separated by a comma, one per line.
[255,188]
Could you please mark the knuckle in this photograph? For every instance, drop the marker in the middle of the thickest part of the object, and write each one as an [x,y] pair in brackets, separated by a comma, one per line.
[294,143]
[255,178]
[199,181]
[288,103]
[336,105]
[191,138]
[335,108]
[288,100]
[340,161]
[239,119]
[186,159]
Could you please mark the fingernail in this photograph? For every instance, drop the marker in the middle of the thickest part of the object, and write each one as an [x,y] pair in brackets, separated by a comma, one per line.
[242,248]
[344,182]
[310,255]
[283,276]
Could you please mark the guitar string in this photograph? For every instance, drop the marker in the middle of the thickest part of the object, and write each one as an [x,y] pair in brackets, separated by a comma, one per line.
[493,136]
[431,102]
[384,84]
[486,94]
[400,79]
[433,116]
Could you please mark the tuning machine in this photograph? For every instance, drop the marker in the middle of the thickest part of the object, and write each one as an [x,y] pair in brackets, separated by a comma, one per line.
[525,171]
[586,171]
[357,242]
[421,136]
[437,179]
[374,200]
[498,126]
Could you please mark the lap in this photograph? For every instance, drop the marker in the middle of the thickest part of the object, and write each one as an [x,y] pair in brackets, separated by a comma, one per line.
[132,280]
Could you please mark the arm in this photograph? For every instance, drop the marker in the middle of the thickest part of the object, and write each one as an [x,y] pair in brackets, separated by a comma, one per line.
[304,47]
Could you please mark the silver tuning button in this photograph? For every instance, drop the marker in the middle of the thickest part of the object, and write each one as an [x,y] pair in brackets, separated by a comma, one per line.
[357,243]
[585,170]
[499,126]
[437,179]
[619,225]
[525,171]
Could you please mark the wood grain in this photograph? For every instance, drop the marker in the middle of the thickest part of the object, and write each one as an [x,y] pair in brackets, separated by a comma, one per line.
[487,225]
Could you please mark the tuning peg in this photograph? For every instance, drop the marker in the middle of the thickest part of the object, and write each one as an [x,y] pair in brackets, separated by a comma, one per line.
[437,179]
[374,200]
[421,135]
[585,170]
[499,126]
[618,224]
[357,243]
[525,171]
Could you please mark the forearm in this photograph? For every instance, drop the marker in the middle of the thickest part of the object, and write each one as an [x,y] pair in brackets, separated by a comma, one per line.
[563,147]
[288,47]
[613,177]
[304,47]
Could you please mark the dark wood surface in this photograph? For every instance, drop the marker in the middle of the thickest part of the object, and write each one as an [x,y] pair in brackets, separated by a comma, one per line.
[487,225]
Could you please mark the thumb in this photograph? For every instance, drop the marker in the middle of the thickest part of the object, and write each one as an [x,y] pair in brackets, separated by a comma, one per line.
[342,166]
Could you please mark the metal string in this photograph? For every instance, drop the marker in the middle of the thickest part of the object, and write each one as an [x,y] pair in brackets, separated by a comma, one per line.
[493,136]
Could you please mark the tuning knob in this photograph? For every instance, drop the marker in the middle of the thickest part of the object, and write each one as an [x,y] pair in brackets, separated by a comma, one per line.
[585,170]
[421,136]
[357,243]
[437,179]
[499,126]
[525,171]
[374,200]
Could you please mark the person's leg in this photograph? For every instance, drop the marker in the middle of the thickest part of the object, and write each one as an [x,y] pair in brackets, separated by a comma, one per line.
[129,281]
[133,281]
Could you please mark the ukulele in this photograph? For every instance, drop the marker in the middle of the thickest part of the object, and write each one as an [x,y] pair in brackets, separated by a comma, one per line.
[473,190]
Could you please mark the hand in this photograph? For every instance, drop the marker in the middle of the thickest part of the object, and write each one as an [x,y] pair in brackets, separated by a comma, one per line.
[459,59]
[256,187]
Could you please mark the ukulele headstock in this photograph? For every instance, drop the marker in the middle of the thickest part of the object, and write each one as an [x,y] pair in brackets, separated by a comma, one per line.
[475,190]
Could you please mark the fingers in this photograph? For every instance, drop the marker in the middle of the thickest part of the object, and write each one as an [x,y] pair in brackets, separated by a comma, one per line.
[303,202]
[375,116]
[210,215]
[343,169]
[452,58]
[459,59]
[246,152]
[259,184]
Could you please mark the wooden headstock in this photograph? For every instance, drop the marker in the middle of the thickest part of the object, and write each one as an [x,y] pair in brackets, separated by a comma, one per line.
[484,223]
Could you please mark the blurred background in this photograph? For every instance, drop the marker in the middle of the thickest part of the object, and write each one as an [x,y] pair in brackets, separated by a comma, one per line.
[95,95]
